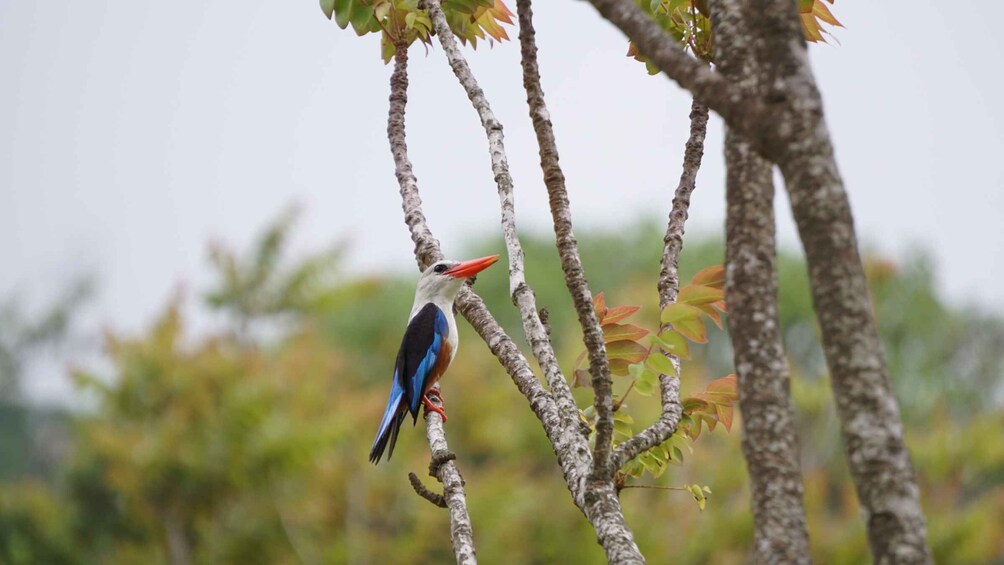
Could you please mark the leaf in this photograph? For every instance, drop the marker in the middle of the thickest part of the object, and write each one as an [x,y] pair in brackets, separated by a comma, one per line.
[673,342]
[619,367]
[660,364]
[710,311]
[343,11]
[623,428]
[619,313]
[697,294]
[686,319]
[582,379]
[616,332]
[361,19]
[644,387]
[328,7]
[600,305]
[710,276]
[630,351]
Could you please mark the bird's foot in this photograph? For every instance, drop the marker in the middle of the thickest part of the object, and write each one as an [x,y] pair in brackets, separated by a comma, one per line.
[430,406]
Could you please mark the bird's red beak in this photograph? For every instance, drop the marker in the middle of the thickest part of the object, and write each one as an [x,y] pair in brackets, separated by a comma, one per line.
[470,268]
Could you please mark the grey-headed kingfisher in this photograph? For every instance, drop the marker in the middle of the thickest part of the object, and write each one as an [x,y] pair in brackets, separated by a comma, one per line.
[427,349]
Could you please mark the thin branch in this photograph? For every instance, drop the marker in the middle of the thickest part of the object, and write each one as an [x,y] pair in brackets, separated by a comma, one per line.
[568,444]
[595,495]
[669,287]
[426,250]
[570,447]
[445,470]
[770,439]
[426,246]
[421,490]
[522,294]
[568,249]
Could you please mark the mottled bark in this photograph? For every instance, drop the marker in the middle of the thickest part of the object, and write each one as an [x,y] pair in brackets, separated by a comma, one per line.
[669,287]
[570,447]
[770,439]
[568,247]
[869,414]
[596,498]
[426,251]
[445,470]
[787,126]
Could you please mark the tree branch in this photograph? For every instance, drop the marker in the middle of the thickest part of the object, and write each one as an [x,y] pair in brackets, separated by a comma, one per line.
[568,248]
[426,251]
[445,470]
[595,496]
[669,287]
[787,127]
[770,440]
[869,414]
[522,294]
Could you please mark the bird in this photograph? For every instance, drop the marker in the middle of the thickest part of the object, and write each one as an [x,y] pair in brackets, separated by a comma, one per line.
[427,348]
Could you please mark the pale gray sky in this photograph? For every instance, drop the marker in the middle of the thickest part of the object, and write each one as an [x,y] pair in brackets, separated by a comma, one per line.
[131,133]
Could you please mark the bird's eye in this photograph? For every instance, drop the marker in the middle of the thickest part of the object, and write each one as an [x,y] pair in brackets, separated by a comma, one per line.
[440,268]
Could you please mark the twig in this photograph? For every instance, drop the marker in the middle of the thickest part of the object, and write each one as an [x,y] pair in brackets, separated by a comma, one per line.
[669,287]
[421,490]
[568,249]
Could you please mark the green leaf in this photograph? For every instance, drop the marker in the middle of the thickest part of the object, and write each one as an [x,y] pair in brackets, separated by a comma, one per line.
[361,19]
[686,319]
[622,428]
[328,7]
[630,351]
[697,294]
[343,12]
[673,342]
[644,387]
[660,364]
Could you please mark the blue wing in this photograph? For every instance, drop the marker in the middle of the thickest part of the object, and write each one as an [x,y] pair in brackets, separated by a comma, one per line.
[430,348]
[390,424]
[423,352]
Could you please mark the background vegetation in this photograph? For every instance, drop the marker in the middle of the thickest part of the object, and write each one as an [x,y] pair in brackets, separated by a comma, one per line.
[250,446]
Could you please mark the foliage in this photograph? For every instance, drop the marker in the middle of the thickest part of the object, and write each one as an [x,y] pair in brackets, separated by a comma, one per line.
[403,22]
[687,21]
[259,445]
[681,321]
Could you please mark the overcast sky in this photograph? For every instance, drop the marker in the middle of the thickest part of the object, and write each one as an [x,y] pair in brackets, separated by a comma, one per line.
[132,133]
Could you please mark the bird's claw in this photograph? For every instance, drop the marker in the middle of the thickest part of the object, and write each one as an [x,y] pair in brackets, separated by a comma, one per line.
[430,406]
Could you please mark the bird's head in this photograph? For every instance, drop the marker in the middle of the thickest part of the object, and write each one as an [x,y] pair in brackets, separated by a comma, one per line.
[445,278]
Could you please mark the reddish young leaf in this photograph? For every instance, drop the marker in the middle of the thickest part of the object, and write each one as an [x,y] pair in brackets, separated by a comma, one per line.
[600,305]
[715,316]
[619,313]
[581,378]
[711,276]
[616,332]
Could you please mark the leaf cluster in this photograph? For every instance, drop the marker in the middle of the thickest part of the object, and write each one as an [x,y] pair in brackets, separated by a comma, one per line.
[688,22]
[402,22]
[683,322]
